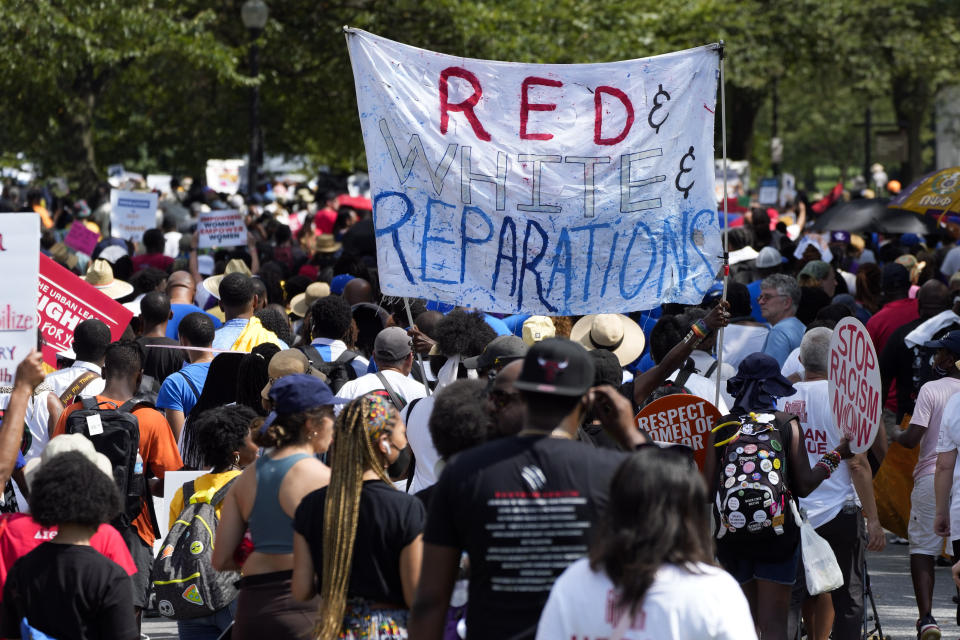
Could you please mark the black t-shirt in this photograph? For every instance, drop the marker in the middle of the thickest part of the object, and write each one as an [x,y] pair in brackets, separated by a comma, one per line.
[388,521]
[159,363]
[69,592]
[523,509]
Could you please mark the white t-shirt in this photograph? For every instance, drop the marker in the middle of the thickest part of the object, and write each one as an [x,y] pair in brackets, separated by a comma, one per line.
[704,361]
[418,435]
[61,380]
[949,440]
[792,365]
[679,605]
[811,405]
[740,340]
[405,386]
[703,388]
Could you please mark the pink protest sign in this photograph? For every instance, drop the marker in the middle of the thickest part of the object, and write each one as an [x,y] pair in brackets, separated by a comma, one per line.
[854,384]
[65,301]
[81,239]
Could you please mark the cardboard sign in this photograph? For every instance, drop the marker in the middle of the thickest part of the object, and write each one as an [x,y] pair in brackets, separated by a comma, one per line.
[854,384]
[223,176]
[555,189]
[81,239]
[19,251]
[132,213]
[680,418]
[65,301]
[220,228]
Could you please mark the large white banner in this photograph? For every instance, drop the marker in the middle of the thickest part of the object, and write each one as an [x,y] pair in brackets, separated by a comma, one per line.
[20,264]
[554,189]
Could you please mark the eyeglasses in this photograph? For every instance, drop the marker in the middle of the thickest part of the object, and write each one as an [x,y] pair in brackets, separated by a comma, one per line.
[763,297]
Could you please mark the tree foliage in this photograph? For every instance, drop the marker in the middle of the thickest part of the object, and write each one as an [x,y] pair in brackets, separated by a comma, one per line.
[163,84]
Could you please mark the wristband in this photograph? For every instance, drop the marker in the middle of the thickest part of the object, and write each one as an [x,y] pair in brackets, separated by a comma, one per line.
[823,465]
[692,339]
[700,329]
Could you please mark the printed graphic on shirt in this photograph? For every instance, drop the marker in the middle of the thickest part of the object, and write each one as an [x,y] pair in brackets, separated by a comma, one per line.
[614,613]
[165,607]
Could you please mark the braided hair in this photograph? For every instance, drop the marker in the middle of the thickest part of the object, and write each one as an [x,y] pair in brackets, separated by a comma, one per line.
[357,430]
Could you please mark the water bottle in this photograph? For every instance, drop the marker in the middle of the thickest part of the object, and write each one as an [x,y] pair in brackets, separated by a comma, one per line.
[138,467]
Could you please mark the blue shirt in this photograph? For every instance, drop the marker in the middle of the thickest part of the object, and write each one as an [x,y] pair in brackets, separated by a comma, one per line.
[784,337]
[497,325]
[330,350]
[179,311]
[229,332]
[754,289]
[175,392]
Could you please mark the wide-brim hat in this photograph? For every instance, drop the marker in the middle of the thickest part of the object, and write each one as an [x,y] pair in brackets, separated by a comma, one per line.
[61,253]
[212,284]
[286,363]
[611,331]
[326,243]
[100,275]
[67,443]
[300,304]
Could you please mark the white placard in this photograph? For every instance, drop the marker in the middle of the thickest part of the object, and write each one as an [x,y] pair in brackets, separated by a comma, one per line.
[20,264]
[854,384]
[159,182]
[223,176]
[132,213]
[550,189]
[172,480]
[221,228]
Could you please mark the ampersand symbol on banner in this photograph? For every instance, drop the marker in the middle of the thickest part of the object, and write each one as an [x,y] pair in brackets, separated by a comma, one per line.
[684,169]
[656,106]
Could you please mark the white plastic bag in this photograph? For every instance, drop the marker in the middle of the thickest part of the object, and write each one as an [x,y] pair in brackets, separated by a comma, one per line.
[819,562]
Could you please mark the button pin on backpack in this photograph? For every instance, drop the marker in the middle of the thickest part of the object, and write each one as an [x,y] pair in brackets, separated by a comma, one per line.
[94,425]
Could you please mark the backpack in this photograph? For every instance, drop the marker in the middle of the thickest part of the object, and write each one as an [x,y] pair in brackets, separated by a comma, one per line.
[752,499]
[186,584]
[115,432]
[670,387]
[339,372]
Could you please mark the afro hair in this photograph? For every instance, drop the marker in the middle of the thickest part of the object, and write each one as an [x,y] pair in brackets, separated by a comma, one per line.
[70,489]
[221,432]
[459,419]
[462,332]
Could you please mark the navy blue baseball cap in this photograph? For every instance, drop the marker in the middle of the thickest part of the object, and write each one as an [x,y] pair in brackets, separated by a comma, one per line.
[950,342]
[299,392]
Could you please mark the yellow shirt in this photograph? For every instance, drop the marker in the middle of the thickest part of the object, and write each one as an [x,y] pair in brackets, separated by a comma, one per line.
[204,489]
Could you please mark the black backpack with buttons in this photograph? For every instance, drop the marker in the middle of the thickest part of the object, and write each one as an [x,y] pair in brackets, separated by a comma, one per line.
[752,498]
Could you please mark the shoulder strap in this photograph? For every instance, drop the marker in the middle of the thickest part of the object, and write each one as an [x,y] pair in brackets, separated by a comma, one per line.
[193,387]
[411,405]
[188,490]
[711,369]
[222,491]
[682,377]
[128,406]
[312,354]
[395,398]
[347,356]
[78,385]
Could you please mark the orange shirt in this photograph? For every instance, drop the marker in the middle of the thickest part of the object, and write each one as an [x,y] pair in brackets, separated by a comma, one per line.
[157,448]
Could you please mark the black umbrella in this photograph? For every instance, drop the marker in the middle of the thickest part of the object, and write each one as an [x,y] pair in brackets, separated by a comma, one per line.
[867,215]
[855,216]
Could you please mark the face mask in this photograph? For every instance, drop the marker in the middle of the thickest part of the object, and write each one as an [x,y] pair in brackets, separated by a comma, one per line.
[398,467]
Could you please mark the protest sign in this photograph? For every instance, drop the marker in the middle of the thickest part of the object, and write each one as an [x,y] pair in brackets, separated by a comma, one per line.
[223,176]
[220,228]
[65,301]
[19,252]
[159,182]
[547,189]
[680,418]
[132,213]
[81,239]
[853,383]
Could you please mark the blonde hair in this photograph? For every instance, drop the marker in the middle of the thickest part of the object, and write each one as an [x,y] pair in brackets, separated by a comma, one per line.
[357,430]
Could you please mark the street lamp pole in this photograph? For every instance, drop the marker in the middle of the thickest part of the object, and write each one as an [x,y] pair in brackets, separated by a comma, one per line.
[254,14]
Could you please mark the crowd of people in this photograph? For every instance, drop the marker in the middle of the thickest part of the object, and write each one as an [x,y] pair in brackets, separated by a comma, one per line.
[374,467]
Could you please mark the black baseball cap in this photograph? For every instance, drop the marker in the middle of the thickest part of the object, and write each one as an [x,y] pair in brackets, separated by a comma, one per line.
[558,366]
[950,342]
[499,351]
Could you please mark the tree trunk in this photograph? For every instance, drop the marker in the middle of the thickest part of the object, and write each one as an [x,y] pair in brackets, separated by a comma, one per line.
[911,101]
[89,175]
[743,105]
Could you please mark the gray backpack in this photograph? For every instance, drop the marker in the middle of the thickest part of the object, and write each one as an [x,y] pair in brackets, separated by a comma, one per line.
[184,580]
